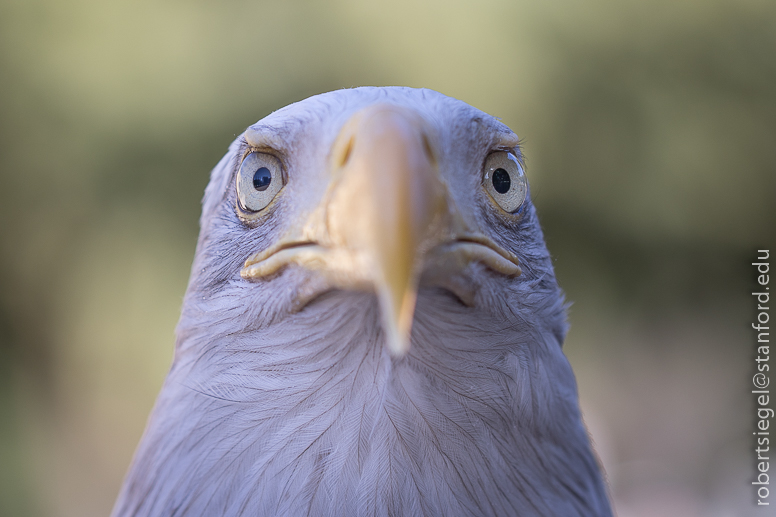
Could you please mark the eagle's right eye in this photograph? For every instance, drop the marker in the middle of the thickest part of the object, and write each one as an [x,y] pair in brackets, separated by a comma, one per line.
[259,180]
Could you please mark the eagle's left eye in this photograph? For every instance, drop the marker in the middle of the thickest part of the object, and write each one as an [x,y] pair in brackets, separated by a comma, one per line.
[503,178]
[259,180]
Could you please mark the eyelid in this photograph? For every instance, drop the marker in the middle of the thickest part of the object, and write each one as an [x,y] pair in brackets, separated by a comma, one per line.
[262,138]
[506,141]
[500,149]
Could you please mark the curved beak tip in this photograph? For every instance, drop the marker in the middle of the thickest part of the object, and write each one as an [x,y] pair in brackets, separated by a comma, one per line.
[397,307]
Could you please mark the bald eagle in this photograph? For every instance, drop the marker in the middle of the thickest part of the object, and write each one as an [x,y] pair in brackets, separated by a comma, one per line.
[372,326]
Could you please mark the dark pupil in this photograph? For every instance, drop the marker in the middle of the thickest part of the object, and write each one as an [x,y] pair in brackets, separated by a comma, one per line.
[262,178]
[501,181]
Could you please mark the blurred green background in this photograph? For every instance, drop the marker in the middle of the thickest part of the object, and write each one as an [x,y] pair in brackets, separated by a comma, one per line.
[649,130]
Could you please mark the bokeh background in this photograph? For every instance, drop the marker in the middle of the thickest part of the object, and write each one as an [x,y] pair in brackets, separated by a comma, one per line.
[650,135]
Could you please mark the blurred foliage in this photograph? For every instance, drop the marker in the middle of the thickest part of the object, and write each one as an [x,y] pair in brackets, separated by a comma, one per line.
[649,129]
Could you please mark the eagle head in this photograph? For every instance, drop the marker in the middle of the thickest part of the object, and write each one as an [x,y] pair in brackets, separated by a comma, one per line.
[372,327]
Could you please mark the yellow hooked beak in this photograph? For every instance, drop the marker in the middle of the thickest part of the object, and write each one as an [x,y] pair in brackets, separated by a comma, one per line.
[386,214]
[390,203]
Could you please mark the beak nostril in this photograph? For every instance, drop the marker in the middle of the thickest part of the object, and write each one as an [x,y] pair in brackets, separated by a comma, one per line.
[347,152]
[428,149]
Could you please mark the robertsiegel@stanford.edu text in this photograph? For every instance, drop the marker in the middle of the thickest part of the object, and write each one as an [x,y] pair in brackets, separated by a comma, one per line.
[761,380]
